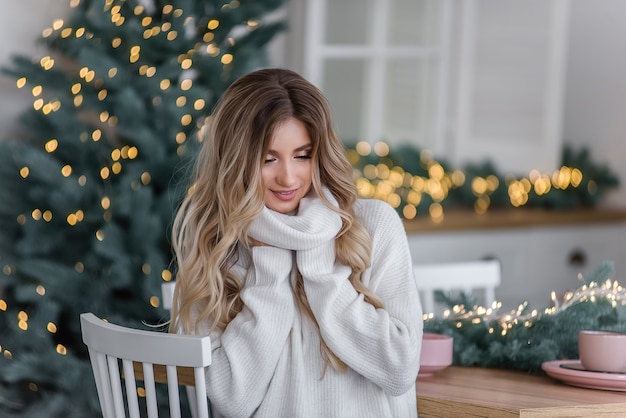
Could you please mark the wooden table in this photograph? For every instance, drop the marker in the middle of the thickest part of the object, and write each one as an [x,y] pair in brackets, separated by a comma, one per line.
[480,392]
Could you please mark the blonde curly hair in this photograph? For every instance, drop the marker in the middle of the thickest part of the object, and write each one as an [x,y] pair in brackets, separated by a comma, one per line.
[227,194]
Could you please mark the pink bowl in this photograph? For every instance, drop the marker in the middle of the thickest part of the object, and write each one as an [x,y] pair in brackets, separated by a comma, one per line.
[436,353]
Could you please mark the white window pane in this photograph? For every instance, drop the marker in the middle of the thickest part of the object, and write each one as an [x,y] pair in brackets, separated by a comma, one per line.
[343,87]
[409,102]
[348,21]
[413,22]
[510,78]
[510,84]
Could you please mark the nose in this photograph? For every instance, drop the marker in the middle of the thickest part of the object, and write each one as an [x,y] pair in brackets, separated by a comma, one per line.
[285,175]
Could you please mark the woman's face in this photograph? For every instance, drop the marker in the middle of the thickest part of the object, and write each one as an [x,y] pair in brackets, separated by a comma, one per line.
[287,169]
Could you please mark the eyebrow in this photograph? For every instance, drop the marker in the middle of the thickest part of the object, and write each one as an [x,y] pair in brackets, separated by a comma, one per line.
[302,148]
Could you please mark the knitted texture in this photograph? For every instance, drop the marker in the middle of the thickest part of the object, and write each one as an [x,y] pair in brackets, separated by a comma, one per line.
[267,362]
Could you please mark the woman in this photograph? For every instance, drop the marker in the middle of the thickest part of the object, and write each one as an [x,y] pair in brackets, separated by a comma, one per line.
[307,292]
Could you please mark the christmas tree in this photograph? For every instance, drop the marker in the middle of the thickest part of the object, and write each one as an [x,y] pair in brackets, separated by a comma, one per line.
[88,193]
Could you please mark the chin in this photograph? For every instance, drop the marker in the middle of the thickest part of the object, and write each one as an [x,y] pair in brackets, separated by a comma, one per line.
[282,206]
[284,209]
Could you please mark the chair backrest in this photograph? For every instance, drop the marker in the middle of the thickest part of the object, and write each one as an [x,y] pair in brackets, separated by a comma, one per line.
[167,294]
[464,276]
[139,352]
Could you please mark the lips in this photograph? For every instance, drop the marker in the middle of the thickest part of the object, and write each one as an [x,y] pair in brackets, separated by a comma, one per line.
[285,195]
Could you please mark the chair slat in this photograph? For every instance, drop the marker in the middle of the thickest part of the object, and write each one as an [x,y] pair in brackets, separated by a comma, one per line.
[172,391]
[101,374]
[131,389]
[116,386]
[150,387]
[200,389]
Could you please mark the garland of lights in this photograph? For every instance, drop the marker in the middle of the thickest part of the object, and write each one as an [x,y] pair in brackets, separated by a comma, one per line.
[414,183]
[523,339]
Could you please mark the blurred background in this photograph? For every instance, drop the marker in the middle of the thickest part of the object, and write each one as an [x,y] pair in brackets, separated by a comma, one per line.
[509,81]
[472,102]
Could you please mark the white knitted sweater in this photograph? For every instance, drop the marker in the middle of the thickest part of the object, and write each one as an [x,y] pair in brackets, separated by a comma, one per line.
[267,361]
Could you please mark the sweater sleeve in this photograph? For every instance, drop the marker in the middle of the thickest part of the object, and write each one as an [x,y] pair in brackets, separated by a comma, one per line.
[246,353]
[383,345]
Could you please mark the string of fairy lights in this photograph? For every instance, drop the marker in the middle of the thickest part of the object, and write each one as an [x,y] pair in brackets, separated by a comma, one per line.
[461,316]
[402,189]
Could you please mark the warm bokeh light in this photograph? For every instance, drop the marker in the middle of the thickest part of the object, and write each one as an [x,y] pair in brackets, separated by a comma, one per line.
[406,191]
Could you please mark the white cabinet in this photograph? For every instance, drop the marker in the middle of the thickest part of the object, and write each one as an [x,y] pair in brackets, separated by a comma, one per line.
[535,260]
[556,256]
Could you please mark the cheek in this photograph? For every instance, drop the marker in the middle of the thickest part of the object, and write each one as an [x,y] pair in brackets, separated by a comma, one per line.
[307,170]
[266,176]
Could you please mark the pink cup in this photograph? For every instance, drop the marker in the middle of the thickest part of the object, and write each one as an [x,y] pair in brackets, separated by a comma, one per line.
[436,354]
[602,351]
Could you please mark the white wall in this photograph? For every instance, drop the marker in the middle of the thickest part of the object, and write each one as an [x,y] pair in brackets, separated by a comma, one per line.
[595,102]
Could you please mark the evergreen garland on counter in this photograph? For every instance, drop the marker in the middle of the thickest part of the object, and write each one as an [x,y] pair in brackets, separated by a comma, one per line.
[417,184]
[524,339]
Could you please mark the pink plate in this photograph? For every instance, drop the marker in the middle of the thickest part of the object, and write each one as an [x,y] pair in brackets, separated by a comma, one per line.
[572,373]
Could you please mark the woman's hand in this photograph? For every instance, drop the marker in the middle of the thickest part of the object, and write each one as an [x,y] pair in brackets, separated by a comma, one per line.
[256,243]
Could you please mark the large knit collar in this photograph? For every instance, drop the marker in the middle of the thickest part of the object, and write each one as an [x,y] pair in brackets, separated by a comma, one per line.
[313,225]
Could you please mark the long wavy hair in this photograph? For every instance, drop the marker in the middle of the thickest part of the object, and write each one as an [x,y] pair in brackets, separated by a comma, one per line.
[227,194]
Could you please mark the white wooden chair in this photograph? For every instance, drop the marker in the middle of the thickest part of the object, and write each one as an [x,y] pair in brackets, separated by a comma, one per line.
[145,355]
[167,294]
[464,276]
